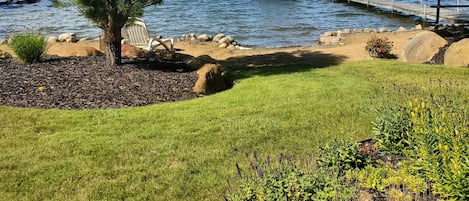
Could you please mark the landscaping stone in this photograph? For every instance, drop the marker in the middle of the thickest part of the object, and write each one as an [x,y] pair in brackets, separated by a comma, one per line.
[4,55]
[217,37]
[73,50]
[67,37]
[131,51]
[227,39]
[223,45]
[382,30]
[458,54]
[200,61]
[329,40]
[210,80]
[52,39]
[204,38]
[423,47]
[401,29]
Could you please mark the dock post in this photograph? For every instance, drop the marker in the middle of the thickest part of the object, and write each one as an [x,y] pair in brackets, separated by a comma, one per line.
[424,9]
[438,12]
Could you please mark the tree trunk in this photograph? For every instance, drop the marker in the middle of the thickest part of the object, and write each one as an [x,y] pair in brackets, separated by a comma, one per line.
[112,38]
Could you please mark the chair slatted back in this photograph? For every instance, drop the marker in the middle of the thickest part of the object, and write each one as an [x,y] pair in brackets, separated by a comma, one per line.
[136,34]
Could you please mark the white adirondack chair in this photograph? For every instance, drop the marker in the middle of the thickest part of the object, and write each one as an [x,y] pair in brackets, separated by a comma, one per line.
[136,34]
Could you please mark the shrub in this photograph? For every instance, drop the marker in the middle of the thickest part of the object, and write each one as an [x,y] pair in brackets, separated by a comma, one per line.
[379,47]
[391,129]
[29,48]
[433,133]
[342,155]
[441,145]
[283,179]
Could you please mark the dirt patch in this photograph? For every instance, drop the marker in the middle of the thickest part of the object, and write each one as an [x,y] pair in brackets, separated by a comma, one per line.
[86,83]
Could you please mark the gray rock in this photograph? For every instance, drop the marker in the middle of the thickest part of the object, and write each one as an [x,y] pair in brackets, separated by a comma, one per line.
[184,37]
[52,39]
[226,39]
[204,38]
[329,40]
[67,37]
[217,37]
[418,27]
[192,37]
[329,33]
[382,30]
[401,29]
[346,31]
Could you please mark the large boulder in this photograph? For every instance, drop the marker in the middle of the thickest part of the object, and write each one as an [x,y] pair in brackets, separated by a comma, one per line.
[210,80]
[197,63]
[69,50]
[423,47]
[458,54]
[131,51]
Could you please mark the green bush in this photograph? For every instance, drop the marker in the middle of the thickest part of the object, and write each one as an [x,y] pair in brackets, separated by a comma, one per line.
[342,155]
[392,130]
[283,179]
[29,48]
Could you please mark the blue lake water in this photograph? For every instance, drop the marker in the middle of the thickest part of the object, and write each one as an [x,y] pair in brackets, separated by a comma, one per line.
[255,23]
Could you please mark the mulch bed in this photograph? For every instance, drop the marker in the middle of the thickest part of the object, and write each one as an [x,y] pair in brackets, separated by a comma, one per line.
[86,83]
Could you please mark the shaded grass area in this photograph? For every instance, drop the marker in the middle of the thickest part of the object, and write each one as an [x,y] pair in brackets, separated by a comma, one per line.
[187,150]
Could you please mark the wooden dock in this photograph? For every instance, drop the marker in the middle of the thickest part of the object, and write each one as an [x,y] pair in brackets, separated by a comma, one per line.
[423,11]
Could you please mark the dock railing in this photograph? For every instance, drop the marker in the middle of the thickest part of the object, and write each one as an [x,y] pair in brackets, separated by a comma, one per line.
[438,6]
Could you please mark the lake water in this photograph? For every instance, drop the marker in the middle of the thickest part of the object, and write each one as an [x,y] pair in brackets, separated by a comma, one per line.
[255,23]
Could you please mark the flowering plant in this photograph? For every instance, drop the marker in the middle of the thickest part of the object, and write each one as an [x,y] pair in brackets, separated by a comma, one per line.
[379,47]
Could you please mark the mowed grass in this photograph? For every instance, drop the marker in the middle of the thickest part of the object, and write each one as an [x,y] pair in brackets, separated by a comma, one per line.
[187,150]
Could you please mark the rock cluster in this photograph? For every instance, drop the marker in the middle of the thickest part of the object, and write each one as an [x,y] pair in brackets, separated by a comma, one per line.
[336,37]
[447,45]
[223,41]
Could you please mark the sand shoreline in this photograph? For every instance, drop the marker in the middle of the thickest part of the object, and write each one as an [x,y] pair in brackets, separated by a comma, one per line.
[352,47]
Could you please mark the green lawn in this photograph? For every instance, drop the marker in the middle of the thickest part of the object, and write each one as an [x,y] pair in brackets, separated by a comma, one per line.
[187,150]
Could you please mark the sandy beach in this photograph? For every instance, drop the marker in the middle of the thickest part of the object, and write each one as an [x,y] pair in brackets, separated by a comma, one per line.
[352,48]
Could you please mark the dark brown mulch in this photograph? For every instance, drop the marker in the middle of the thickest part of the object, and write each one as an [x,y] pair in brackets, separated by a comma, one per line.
[85,83]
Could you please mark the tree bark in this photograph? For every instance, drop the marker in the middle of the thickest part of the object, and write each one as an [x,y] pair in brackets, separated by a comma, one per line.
[112,38]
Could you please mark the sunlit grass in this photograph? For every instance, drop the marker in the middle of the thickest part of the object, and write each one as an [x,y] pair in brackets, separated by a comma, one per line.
[187,150]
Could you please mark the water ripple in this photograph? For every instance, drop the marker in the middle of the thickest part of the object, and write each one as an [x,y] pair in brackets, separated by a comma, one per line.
[258,23]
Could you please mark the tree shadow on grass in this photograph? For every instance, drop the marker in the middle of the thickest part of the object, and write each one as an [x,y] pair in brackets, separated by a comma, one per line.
[279,63]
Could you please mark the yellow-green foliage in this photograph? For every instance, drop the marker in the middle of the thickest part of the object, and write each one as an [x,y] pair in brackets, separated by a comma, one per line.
[441,144]
[28,47]
[435,138]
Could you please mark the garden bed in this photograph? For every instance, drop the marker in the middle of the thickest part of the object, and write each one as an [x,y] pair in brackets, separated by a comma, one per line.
[86,83]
